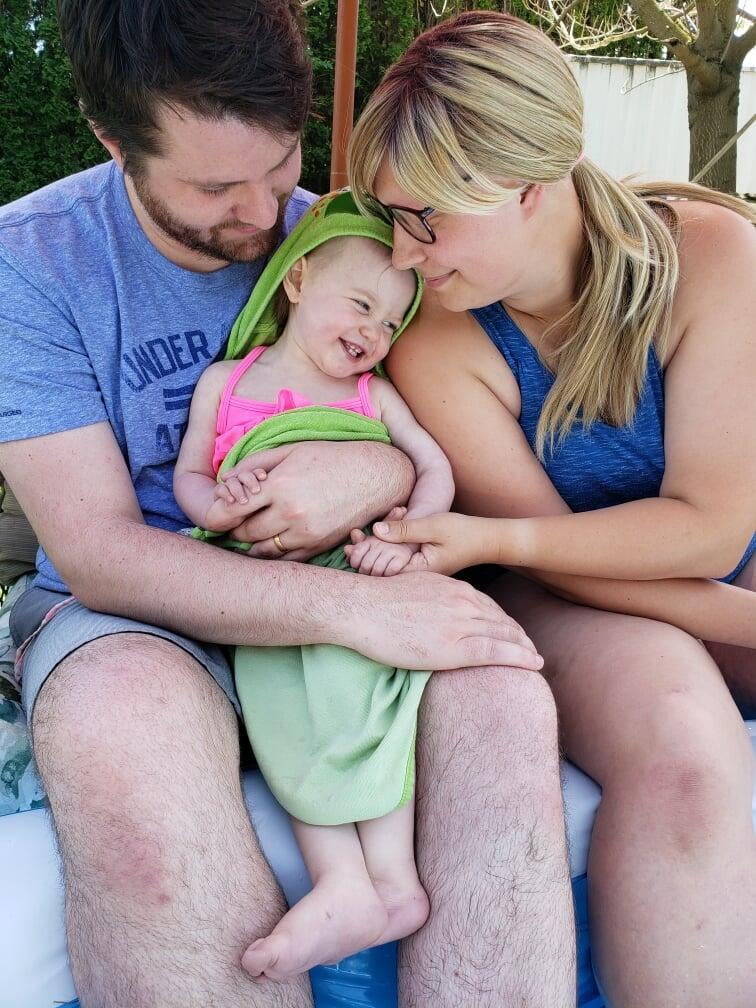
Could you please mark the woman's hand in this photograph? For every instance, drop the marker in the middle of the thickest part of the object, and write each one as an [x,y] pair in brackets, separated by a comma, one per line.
[448,542]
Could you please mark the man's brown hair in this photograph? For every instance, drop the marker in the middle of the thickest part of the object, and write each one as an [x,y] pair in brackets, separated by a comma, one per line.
[241,59]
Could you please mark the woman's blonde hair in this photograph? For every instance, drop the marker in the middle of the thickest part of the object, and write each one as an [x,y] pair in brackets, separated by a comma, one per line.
[486,97]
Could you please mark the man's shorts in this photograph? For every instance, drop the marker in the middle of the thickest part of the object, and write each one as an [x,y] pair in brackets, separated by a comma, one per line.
[48,626]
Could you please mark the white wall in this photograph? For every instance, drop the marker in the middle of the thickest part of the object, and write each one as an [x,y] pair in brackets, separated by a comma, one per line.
[637,118]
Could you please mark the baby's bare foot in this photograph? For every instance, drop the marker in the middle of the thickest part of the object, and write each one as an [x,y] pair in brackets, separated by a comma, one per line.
[407,906]
[339,917]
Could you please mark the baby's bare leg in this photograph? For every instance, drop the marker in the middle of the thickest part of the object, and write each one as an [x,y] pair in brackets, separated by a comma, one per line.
[340,916]
[388,849]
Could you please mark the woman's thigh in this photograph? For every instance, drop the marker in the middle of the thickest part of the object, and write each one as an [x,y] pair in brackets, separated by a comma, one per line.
[632,694]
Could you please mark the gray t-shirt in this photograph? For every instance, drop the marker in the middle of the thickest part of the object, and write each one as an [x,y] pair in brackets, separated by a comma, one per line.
[95,324]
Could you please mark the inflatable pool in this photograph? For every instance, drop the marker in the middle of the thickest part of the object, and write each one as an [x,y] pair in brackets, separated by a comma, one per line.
[34,971]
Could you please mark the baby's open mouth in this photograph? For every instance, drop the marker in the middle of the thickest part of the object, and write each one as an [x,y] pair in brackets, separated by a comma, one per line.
[354,351]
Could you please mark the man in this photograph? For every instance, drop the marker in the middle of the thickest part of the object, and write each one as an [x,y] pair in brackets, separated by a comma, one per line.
[118,286]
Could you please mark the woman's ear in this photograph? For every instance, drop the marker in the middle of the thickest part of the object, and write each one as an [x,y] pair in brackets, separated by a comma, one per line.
[531,196]
[292,282]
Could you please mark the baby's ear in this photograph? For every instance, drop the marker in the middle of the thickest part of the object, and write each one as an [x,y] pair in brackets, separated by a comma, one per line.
[292,282]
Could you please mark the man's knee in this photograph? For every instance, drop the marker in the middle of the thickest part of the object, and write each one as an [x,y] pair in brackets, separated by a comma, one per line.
[492,733]
[124,728]
[127,718]
[122,686]
[495,699]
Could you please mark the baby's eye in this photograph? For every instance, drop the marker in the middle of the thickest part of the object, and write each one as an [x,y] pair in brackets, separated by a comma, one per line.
[362,305]
[391,326]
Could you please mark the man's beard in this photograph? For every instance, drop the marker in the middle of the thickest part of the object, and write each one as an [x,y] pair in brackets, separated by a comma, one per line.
[210,241]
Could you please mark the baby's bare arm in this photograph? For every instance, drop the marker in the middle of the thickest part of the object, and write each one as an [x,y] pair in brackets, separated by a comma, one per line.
[433,492]
[434,484]
[213,506]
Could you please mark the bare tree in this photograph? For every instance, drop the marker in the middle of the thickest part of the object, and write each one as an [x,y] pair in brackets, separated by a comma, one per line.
[701,34]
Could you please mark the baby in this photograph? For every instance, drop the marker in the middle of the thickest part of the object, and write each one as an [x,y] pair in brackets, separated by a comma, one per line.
[345,304]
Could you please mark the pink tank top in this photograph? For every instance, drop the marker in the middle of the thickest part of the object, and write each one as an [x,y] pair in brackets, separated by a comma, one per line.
[237,416]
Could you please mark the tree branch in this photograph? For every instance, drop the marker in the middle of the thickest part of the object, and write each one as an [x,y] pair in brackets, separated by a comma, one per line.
[659,24]
[579,34]
[739,46]
[707,73]
[666,30]
[728,13]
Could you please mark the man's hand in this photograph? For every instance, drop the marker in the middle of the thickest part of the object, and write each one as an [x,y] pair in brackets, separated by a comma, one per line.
[316,492]
[427,621]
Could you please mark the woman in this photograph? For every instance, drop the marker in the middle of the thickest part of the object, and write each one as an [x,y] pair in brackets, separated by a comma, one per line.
[587,346]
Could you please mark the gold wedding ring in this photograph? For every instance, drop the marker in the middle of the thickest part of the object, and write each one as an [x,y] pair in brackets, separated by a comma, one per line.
[279,545]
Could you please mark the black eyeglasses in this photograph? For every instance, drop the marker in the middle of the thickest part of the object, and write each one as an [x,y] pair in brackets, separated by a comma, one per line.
[414,222]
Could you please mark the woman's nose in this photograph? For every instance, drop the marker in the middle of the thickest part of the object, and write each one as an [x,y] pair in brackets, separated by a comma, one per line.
[408,251]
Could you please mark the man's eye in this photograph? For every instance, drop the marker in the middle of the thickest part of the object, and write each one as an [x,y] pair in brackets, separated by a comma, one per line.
[217,191]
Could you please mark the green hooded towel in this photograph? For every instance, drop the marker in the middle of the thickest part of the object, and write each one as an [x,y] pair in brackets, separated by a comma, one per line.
[333,732]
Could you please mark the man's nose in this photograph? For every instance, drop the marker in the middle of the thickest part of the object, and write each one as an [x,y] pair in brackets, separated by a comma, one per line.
[257,206]
[408,251]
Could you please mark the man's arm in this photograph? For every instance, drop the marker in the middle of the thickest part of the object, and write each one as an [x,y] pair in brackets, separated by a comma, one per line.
[316,492]
[78,495]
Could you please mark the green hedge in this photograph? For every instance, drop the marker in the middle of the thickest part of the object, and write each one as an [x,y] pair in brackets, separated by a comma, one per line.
[43,136]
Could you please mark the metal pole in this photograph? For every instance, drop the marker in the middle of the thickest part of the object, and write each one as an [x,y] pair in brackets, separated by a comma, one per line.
[343,90]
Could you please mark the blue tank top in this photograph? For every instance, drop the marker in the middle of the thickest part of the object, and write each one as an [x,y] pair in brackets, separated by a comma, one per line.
[598,466]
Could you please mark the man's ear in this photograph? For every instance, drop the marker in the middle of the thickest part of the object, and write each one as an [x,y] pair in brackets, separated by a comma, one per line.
[113,147]
[292,282]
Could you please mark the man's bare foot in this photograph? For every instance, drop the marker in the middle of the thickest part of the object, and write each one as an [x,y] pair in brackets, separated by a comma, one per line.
[342,915]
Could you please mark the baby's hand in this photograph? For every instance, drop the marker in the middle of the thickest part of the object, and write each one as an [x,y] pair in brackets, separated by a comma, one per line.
[233,500]
[235,489]
[369,555]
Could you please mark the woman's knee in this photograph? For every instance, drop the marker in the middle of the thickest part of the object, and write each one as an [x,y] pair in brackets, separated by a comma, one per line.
[688,770]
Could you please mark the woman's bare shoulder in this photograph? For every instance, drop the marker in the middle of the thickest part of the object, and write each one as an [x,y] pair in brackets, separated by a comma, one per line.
[440,338]
[451,349]
[432,325]
[712,235]
[717,255]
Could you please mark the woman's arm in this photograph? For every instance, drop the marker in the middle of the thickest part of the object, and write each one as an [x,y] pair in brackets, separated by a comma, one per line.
[447,359]
[705,515]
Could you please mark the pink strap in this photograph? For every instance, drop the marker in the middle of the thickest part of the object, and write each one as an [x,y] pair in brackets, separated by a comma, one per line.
[228,388]
[364,392]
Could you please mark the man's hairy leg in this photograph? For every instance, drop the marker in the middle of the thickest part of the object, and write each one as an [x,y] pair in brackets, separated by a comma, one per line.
[165,882]
[491,848]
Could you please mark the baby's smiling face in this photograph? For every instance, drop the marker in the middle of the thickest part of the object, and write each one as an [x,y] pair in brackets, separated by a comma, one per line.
[347,301]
